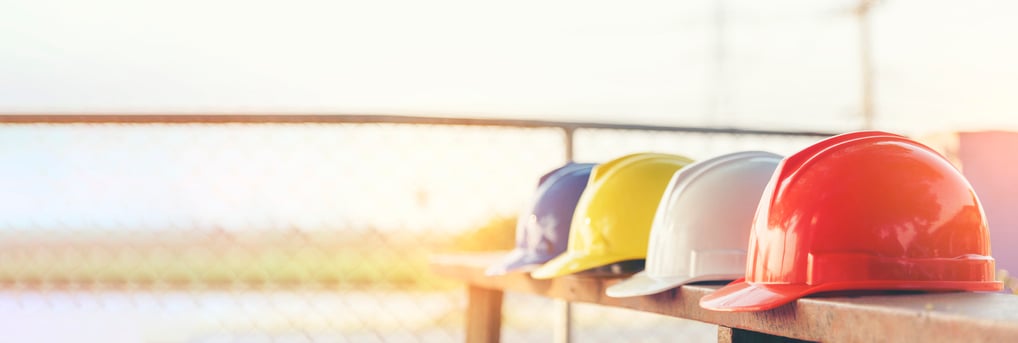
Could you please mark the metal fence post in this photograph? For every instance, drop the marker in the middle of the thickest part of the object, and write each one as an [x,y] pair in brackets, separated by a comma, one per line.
[564,321]
[569,142]
[563,308]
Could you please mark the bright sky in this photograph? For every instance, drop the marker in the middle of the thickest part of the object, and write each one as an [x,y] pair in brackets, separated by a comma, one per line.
[788,64]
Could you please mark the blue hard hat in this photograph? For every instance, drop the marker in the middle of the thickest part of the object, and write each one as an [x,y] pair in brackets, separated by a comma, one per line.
[542,230]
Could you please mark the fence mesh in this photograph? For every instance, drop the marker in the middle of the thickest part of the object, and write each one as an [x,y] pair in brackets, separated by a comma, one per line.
[285,232]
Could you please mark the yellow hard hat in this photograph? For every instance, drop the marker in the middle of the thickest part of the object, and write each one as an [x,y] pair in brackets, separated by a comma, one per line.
[614,215]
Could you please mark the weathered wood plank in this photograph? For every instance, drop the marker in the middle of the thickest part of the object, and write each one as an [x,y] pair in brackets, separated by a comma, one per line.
[941,317]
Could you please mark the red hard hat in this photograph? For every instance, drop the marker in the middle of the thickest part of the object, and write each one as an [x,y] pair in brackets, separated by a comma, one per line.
[862,211]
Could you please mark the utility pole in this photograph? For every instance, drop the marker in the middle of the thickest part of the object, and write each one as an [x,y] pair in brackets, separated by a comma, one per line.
[862,14]
[719,79]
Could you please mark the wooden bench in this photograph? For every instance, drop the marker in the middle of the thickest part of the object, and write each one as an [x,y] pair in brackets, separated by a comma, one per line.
[915,317]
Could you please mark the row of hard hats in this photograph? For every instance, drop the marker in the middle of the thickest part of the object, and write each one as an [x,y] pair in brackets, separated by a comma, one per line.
[859,211]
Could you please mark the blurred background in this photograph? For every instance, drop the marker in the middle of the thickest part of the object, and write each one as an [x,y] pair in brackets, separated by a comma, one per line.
[119,230]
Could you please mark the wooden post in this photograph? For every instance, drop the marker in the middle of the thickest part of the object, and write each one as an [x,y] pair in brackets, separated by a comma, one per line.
[484,314]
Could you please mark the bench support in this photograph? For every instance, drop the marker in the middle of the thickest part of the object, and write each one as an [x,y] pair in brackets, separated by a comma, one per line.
[730,335]
[484,314]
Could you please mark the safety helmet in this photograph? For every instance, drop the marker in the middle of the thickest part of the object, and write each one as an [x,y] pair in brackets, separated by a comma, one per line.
[543,228]
[613,217]
[862,211]
[702,225]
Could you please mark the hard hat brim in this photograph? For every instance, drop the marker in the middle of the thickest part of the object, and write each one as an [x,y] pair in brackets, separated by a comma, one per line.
[569,263]
[741,296]
[518,260]
[644,284]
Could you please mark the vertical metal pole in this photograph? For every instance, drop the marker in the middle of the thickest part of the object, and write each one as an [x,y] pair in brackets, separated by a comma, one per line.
[569,142]
[563,330]
[866,62]
[564,321]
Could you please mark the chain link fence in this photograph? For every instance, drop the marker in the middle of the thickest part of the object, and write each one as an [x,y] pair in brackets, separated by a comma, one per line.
[288,232]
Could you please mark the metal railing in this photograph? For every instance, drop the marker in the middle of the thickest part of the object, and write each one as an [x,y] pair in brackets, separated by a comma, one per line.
[567,127]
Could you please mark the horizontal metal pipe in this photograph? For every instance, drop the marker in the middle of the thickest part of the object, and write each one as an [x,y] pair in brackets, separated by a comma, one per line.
[369,119]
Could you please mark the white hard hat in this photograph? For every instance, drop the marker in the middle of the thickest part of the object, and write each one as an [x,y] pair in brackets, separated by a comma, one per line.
[702,225]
